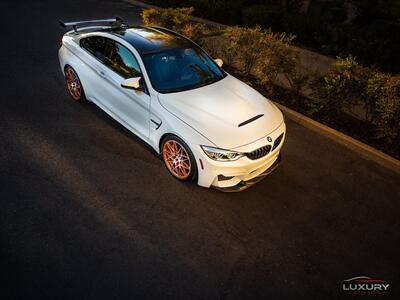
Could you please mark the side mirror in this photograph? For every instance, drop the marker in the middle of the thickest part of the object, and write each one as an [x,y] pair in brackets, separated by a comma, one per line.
[219,62]
[131,83]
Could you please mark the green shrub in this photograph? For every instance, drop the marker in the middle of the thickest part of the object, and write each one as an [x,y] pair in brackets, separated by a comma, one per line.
[195,32]
[224,11]
[277,58]
[349,84]
[217,46]
[385,88]
[345,85]
[172,18]
[245,44]
[261,52]
[177,19]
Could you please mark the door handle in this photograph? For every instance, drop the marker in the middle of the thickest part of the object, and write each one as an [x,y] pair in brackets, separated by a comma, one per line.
[101,73]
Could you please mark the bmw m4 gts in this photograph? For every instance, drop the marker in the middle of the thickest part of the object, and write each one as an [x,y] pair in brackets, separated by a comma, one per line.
[208,126]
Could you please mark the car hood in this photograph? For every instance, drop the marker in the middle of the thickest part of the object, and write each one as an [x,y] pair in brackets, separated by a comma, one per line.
[216,110]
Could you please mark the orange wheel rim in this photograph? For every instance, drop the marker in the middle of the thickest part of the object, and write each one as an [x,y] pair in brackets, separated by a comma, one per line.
[176,159]
[73,84]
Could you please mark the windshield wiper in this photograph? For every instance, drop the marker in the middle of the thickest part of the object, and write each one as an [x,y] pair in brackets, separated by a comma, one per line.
[191,87]
[173,90]
[207,82]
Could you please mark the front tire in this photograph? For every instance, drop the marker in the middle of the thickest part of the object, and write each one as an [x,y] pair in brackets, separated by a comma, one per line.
[74,85]
[178,158]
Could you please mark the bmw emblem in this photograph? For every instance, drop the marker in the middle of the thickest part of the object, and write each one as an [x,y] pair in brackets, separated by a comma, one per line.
[269,139]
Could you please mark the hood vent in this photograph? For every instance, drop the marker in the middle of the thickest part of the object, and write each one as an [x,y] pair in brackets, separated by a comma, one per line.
[250,120]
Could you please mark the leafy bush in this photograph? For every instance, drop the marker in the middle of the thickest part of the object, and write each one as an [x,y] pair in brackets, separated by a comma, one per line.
[177,19]
[261,52]
[385,88]
[245,44]
[172,18]
[196,32]
[343,86]
[224,11]
[349,84]
[277,58]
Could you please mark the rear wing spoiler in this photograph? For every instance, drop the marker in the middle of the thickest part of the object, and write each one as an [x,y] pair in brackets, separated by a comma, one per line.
[117,21]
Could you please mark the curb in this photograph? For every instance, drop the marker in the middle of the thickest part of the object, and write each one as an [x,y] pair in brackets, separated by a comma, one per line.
[364,150]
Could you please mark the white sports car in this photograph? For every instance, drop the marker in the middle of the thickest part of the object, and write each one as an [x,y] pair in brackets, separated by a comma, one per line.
[207,125]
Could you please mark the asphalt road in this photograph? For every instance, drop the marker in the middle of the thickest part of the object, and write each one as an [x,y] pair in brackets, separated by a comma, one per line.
[88,211]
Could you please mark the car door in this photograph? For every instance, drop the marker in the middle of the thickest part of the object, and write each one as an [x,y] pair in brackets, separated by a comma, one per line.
[92,75]
[130,107]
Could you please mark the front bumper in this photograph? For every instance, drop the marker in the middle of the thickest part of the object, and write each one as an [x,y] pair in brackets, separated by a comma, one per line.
[242,185]
[232,175]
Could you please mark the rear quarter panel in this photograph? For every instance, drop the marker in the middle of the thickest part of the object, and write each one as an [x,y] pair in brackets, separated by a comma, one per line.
[70,54]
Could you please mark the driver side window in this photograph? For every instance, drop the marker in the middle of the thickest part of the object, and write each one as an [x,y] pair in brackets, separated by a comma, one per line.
[121,60]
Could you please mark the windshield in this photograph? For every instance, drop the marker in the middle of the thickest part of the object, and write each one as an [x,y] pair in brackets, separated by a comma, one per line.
[182,69]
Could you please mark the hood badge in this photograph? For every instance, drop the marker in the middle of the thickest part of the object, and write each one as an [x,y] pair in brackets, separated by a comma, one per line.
[269,139]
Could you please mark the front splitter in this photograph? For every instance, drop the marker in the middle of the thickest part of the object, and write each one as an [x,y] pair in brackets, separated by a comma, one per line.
[242,185]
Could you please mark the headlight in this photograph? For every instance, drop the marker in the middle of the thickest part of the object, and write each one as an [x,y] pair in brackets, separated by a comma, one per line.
[221,154]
